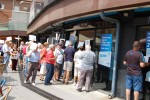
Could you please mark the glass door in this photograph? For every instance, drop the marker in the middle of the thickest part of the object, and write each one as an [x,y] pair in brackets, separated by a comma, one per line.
[141,36]
[103,73]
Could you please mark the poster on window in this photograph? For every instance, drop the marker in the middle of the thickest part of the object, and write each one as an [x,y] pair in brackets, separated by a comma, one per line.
[67,43]
[2,41]
[9,38]
[80,44]
[87,42]
[148,44]
[73,37]
[105,50]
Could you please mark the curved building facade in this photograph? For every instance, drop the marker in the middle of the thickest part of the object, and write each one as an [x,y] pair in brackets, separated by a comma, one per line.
[80,21]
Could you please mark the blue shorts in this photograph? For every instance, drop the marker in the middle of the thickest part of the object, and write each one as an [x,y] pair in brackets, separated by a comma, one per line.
[134,82]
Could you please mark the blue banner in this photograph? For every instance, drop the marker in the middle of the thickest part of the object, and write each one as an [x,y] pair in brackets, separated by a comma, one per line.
[106,42]
[148,44]
[105,50]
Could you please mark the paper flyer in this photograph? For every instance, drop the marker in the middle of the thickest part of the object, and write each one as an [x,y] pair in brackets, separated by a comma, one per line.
[87,42]
[80,44]
[32,37]
[9,38]
[67,43]
[146,58]
[2,41]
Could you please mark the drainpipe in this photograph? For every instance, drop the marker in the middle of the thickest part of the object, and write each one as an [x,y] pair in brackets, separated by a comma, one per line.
[114,79]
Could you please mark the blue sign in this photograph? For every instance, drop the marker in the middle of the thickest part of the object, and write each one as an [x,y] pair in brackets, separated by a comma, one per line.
[105,50]
[148,44]
[106,42]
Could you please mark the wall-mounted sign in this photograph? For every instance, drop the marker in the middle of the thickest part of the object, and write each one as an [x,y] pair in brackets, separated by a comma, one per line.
[148,44]
[105,50]
[83,24]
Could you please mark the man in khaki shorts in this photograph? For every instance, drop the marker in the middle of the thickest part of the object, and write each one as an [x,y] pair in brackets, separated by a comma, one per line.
[68,56]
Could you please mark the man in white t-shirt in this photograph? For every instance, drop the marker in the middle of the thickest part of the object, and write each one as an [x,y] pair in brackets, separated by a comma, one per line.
[59,52]
[77,63]
[6,52]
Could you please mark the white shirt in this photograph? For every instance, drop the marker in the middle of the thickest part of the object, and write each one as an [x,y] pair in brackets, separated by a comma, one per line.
[5,49]
[87,59]
[35,56]
[59,54]
[77,61]
[16,56]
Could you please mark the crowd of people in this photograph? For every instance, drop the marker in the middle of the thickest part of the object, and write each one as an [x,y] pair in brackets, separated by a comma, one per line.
[55,62]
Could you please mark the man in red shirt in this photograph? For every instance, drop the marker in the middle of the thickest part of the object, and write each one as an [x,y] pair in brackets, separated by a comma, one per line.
[50,61]
[25,59]
[24,48]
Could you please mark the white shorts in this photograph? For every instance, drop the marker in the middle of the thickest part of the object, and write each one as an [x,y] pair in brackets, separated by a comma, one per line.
[68,65]
[43,68]
[77,71]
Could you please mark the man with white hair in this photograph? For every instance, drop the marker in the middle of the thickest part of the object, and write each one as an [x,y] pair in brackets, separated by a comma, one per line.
[50,61]
[68,56]
[33,58]
[6,52]
[87,61]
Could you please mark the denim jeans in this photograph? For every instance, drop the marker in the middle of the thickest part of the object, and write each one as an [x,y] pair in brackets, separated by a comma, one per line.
[26,66]
[6,61]
[50,73]
[134,81]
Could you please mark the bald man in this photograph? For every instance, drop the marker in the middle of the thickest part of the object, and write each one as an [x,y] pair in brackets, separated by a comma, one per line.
[134,60]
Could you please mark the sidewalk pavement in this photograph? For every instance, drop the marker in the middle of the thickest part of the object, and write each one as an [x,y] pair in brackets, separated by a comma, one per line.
[18,92]
[68,92]
[65,92]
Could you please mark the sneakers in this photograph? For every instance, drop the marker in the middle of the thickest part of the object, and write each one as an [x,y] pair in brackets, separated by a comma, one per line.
[74,84]
[26,82]
[79,90]
[33,84]
[66,83]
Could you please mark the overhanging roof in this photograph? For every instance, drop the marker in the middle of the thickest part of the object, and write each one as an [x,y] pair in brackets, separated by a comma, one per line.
[70,9]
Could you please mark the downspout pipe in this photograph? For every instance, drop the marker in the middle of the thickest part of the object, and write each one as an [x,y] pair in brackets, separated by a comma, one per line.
[114,77]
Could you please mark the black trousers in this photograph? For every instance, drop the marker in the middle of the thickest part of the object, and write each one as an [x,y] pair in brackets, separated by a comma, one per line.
[14,63]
